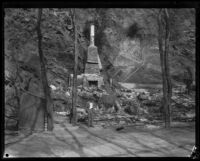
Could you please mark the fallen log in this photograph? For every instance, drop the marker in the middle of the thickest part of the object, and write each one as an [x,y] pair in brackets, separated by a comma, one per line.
[112,118]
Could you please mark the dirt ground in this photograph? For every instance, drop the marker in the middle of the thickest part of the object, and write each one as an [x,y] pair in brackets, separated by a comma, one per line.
[81,141]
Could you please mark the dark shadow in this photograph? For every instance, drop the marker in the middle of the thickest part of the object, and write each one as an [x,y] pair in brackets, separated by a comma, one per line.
[30,112]
[109,141]
[148,147]
[48,149]
[71,146]
[19,140]
[22,152]
[80,146]
[35,119]
[170,142]
[163,150]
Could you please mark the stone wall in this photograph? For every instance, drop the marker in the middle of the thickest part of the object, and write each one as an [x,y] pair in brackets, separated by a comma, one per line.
[92,68]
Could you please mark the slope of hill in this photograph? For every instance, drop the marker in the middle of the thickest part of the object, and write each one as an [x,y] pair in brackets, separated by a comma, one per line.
[126,41]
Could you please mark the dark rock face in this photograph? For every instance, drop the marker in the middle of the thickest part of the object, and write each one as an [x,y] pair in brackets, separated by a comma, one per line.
[31,114]
[32,108]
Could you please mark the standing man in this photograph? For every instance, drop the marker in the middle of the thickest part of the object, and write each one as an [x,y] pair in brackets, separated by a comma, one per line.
[89,108]
[68,93]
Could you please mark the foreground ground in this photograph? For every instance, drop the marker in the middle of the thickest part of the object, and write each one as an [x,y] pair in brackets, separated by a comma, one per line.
[81,141]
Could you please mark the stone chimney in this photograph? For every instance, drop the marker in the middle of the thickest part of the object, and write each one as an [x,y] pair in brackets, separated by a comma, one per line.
[92,75]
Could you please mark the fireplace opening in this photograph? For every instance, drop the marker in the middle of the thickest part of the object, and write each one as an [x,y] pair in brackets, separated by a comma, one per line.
[93,83]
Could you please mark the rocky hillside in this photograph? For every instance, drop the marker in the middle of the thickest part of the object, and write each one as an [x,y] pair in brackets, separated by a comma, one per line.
[126,41]
[132,45]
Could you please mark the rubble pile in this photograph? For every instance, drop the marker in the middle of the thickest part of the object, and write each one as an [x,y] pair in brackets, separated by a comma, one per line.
[183,106]
[137,106]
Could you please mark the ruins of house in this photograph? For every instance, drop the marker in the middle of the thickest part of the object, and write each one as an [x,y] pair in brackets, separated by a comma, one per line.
[92,75]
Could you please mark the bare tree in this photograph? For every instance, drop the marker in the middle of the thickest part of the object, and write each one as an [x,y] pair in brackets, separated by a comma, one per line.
[163,42]
[48,100]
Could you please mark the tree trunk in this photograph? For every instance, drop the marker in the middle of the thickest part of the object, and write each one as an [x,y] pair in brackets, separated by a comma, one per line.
[48,101]
[166,54]
[74,88]
[164,49]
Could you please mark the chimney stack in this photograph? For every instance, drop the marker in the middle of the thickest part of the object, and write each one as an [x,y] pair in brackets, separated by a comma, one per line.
[92,35]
